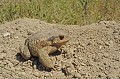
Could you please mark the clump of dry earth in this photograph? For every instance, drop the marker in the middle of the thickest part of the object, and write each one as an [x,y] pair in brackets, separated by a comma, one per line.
[93,51]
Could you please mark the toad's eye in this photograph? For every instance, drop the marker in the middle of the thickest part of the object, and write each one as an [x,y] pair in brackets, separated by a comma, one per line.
[61,37]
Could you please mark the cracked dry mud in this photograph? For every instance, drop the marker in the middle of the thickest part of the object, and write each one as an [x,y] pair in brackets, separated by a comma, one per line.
[93,51]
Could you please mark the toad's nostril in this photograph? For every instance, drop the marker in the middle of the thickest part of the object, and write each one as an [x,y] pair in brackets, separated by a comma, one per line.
[61,37]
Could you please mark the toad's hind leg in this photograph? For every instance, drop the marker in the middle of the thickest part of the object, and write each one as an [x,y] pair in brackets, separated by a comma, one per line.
[24,51]
[44,57]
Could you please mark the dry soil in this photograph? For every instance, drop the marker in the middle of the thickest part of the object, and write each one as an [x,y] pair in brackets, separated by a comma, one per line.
[93,51]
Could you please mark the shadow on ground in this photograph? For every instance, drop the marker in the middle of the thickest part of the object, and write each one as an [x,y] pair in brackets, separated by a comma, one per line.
[35,60]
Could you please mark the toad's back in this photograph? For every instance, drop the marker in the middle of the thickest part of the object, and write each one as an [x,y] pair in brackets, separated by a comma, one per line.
[46,34]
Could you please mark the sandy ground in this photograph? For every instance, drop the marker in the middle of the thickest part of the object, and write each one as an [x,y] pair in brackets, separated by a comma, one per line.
[93,51]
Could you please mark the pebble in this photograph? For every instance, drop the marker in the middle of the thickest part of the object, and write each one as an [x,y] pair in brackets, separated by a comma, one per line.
[2,56]
[116,37]
[22,73]
[17,68]
[6,34]
[29,62]
[34,66]
[46,74]
[3,64]
[83,64]
[77,75]
[15,62]
[16,37]
[30,32]
[4,51]
[100,47]
[0,62]
[67,71]
[37,74]
[107,43]
[9,63]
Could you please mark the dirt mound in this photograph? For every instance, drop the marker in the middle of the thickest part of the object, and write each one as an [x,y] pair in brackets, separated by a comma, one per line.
[93,51]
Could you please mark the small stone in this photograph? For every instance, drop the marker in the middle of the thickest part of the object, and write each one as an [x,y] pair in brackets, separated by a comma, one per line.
[68,71]
[30,32]
[83,45]
[46,74]
[100,47]
[16,37]
[64,51]
[4,51]
[107,43]
[2,55]
[116,37]
[78,68]
[0,62]
[83,64]
[10,64]
[23,73]
[6,34]
[106,55]
[34,66]
[11,32]
[37,74]
[15,62]
[17,68]
[74,55]
[17,28]
[29,62]
[77,75]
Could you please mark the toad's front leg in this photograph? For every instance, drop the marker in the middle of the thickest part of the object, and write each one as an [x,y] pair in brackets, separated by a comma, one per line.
[43,55]
[24,51]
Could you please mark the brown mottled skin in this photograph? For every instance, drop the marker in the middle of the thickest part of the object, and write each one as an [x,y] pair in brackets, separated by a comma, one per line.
[42,43]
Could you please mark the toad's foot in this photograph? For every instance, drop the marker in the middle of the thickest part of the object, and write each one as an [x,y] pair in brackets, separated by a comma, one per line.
[24,51]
